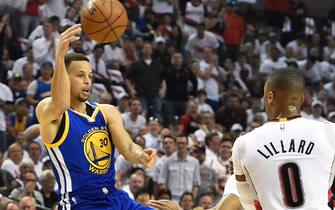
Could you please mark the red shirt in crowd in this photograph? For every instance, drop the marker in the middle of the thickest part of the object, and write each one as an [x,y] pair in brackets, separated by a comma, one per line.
[32,8]
[234,31]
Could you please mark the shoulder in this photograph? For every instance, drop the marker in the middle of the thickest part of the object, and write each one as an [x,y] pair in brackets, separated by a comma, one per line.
[193,160]
[42,103]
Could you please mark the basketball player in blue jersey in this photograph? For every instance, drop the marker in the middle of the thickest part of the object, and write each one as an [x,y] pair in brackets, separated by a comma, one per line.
[81,136]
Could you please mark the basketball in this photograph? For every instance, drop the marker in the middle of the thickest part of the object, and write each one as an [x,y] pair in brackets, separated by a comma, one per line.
[104,20]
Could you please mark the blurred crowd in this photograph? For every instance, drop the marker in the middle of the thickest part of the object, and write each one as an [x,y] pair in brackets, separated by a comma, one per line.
[186,76]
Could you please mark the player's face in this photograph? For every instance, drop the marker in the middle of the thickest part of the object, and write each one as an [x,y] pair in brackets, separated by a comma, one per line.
[80,73]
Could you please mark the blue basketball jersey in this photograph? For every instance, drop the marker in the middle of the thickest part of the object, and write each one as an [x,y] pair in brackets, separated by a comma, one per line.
[82,159]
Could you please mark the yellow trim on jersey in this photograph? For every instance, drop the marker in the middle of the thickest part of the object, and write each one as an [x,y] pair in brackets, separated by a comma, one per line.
[102,112]
[282,119]
[64,135]
[90,119]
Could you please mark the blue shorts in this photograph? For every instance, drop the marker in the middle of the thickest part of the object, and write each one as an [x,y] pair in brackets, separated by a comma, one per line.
[116,200]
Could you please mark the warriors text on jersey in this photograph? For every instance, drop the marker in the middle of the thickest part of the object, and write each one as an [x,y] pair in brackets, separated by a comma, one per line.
[288,163]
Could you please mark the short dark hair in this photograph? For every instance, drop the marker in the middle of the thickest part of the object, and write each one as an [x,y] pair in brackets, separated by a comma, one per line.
[70,57]
[141,192]
[185,194]
[209,137]
[287,80]
[97,46]
[170,137]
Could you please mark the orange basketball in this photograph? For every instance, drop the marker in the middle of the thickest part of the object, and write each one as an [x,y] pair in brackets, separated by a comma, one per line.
[104,20]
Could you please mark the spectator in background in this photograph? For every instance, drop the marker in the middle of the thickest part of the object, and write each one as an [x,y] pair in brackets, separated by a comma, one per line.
[233,32]
[191,118]
[38,31]
[123,103]
[44,48]
[208,76]
[35,152]
[30,17]
[142,71]
[225,153]
[177,78]
[207,126]
[201,100]
[153,138]
[28,202]
[235,131]
[27,74]
[7,182]
[113,53]
[18,66]
[28,188]
[273,63]
[180,172]
[98,64]
[186,201]
[133,120]
[194,13]
[6,106]
[136,183]
[317,111]
[15,156]
[232,113]
[41,87]
[15,84]
[209,177]
[11,205]
[310,67]
[47,180]
[169,147]
[176,127]
[19,120]
[198,41]
[206,201]
[142,196]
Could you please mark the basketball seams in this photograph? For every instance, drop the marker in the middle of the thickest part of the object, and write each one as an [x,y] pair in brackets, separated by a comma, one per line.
[107,20]
[96,6]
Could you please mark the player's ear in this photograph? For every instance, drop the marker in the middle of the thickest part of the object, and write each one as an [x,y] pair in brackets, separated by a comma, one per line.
[270,97]
[302,99]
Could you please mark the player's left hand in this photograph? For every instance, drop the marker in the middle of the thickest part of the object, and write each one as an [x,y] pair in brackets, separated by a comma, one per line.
[164,205]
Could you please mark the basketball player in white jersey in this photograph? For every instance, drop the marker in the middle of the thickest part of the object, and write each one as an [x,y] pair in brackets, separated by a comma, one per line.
[288,162]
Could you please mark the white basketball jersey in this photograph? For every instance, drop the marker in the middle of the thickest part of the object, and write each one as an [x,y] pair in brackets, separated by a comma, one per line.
[289,163]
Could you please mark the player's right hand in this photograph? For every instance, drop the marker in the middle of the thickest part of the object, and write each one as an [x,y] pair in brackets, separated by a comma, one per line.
[68,36]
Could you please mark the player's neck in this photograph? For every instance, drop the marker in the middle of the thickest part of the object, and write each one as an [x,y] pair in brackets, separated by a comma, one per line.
[78,106]
[288,113]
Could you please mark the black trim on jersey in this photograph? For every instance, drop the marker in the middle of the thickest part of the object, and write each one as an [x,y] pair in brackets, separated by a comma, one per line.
[89,111]
[287,118]
[60,130]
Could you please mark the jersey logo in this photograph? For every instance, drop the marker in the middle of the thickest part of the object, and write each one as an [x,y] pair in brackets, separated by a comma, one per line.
[98,150]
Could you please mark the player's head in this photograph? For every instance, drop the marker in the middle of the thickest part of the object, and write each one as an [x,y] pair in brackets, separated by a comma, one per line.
[284,93]
[80,73]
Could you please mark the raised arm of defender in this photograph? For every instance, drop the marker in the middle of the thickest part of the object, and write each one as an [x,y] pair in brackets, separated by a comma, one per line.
[49,111]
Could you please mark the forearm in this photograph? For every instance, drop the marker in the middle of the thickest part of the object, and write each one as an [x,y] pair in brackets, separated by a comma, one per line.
[60,86]
[134,154]
[195,191]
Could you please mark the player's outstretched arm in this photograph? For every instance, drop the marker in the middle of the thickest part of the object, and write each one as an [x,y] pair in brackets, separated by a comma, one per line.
[51,109]
[121,139]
